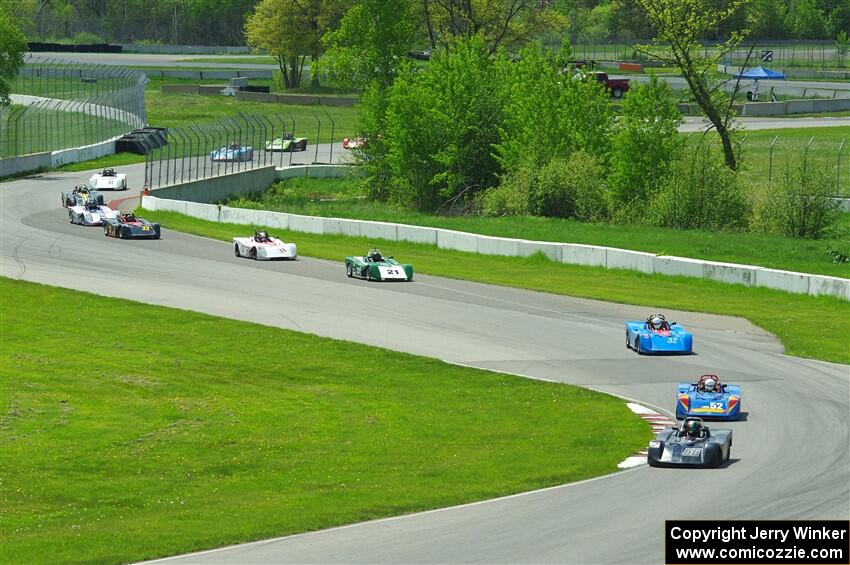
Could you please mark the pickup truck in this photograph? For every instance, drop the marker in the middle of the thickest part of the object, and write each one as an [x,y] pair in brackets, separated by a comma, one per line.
[616,86]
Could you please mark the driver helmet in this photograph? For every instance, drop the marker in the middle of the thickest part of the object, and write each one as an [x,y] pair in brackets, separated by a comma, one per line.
[375,255]
[657,322]
[128,216]
[710,384]
[92,204]
[261,236]
[693,427]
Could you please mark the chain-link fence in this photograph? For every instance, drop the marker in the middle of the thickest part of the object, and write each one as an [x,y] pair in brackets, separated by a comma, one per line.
[764,160]
[238,143]
[822,54]
[58,105]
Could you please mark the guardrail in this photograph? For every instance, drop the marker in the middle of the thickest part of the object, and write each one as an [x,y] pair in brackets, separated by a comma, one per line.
[571,253]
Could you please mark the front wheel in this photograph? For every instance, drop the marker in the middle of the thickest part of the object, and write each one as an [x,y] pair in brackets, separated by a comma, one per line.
[617,93]
[637,346]
[236,250]
[349,272]
[252,253]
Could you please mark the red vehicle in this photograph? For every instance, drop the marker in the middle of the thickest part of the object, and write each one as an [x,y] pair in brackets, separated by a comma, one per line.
[616,86]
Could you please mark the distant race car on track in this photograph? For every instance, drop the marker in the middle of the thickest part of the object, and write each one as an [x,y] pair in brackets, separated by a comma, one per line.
[80,195]
[127,226]
[656,335]
[108,180]
[263,247]
[375,267]
[90,214]
[354,142]
[708,398]
[287,142]
[693,444]
[233,152]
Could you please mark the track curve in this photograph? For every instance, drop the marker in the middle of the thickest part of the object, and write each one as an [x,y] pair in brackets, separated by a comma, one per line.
[790,458]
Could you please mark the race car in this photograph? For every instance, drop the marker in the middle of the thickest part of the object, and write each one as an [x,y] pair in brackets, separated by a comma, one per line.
[375,267]
[692,444]
[656,335]
[287,142]
[233,152]
[108,180]
[127,226]
[80,195]
[90,214]
[354,142]
[708,398]
[263,247]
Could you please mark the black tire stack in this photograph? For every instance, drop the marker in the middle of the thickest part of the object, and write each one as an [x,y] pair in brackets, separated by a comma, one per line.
[142,140]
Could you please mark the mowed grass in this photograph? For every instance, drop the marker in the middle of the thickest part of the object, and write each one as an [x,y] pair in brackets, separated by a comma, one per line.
[165,431]
[808,326]
[345,198]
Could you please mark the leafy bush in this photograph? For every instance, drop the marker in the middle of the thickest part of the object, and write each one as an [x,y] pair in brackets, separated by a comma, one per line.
[646,141]
[571,188]
[699,192]
[801,204]
[548,115]
[440,127]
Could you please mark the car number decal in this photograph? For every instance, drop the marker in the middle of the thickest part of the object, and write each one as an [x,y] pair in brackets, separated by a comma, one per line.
[691,452]
[672,339]
[716,405]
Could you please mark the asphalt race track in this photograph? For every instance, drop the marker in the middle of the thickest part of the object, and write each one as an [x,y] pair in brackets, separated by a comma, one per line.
[789,459]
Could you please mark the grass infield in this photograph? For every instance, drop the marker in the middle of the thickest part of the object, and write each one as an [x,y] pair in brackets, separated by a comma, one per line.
[808,326]
[157,431]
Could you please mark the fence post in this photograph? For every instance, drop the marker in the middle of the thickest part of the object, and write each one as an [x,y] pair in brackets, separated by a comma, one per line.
[318,133]
[838,167]
[806,158]
[293,135]
[770,160]
[333,129]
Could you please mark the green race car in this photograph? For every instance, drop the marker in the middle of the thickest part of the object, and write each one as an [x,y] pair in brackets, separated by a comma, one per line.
[287,142]
[375,267]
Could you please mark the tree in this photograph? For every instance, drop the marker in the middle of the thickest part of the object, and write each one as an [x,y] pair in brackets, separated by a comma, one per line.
[13,45]
[370,44]
[500,23]
[679,25]
[291,30]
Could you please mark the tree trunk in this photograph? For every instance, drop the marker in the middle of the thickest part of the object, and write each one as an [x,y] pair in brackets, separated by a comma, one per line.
[294,73]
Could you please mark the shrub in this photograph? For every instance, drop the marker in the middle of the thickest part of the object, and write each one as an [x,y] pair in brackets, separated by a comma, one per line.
[699,192]
[563,188]
[801,204]
[645,143]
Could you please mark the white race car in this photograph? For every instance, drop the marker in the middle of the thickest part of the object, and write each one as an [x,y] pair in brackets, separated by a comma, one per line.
[263,247]
[90,214]
[108,180]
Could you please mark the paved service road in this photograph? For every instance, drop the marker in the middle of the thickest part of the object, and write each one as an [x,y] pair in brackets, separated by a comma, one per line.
[789,460]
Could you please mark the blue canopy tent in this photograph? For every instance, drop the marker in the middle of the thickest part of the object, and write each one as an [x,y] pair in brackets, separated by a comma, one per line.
[756,74]
[760,73]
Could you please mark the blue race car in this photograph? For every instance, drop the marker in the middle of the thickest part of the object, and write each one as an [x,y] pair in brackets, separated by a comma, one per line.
[655,335]
[707,398]
[233,152]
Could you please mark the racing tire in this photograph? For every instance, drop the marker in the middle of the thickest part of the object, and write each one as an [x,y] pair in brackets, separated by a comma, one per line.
[717,460]
[236,250]
[628,345]
[617,93]
[349,272]
[252,253]
[637,346]
[70,217]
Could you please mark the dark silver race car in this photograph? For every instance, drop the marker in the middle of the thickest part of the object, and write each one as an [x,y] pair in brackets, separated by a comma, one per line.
[691,445]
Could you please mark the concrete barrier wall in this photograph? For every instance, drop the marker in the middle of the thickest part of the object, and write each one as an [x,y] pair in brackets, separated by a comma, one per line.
[185,49]
[220,187]
[16,165]
[590,255]
[205,75]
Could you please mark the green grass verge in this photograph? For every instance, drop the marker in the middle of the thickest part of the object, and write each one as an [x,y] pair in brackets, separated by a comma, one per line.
[808,326]
[165,437]
[345,198]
